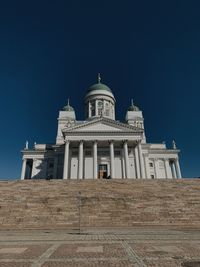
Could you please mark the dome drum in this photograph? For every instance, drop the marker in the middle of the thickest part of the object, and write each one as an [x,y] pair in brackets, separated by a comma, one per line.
[99,101]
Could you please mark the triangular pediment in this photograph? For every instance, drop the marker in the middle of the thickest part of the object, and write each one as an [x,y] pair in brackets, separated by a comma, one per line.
[103,125]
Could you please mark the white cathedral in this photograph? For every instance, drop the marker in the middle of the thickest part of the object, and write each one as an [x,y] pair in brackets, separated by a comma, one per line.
[100,146]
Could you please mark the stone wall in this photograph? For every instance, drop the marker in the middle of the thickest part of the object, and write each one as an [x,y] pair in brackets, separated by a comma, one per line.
[60,204]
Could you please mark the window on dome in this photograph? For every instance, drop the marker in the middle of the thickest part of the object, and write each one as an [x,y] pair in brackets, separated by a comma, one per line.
[99,111]
[93,109]
[107,112]
[100,104]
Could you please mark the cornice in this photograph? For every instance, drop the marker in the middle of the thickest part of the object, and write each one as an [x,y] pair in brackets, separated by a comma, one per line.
[107,121]
[163,151]
[102,133]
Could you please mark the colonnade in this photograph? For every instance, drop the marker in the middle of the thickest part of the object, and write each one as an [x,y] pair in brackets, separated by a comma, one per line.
[140,167]
[172,167]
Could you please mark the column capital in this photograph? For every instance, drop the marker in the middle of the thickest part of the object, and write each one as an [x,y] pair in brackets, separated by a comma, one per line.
[67,141]
[110,141]
[138,141]
[125,141]
[173,160]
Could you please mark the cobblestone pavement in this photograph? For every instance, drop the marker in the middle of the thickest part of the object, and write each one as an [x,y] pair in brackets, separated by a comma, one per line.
[142,247]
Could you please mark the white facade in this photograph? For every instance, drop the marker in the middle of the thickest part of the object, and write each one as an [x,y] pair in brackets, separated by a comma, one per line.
[100,147]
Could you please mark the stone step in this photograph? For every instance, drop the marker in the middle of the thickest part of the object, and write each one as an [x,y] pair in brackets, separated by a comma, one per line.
[67,204]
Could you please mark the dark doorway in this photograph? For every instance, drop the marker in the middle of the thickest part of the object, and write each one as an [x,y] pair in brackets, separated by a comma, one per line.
[103,171]
[29,166]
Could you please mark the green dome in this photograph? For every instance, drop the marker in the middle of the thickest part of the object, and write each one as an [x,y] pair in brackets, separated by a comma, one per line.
[68,107]
[133,107]
[99,86]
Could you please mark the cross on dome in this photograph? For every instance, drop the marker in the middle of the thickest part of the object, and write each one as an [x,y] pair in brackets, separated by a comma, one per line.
[133,107]
[99,78]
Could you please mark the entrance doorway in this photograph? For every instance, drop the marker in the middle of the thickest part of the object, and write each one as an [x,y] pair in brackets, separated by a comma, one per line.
[103,171]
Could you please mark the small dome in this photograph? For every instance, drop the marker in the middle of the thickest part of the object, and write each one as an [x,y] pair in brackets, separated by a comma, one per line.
[68,107]
[133,107]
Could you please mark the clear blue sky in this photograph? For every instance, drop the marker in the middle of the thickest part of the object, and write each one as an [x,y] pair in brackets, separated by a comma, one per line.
[145,50]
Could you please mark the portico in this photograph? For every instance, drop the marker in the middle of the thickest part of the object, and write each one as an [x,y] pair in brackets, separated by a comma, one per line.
[104,152]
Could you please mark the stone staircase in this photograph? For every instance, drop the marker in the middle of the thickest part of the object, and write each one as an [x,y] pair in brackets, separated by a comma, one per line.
[107,204]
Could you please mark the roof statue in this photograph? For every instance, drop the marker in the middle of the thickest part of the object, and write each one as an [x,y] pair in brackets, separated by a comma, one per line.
[174,144]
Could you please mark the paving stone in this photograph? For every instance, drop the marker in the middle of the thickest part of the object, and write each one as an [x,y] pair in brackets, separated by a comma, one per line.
[93,249]
[84,251]
[19,251]
[118,263]
[15,264]
[145,247]
[15,250]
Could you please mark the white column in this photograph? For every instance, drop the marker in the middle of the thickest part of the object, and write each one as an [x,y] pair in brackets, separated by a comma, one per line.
[173,170]
[178,170]
[137,164]
[126,160]
[146,162]
[112,160]
[123,164]
[167,168]
[141,161]
[96,108]
[55,168]
[80,161]
[156,168]
[23,169]
[66,160]
[89,109]
[95,160]
[34,170]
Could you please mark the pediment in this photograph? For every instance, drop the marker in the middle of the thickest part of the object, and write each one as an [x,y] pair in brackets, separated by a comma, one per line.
[103,125]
